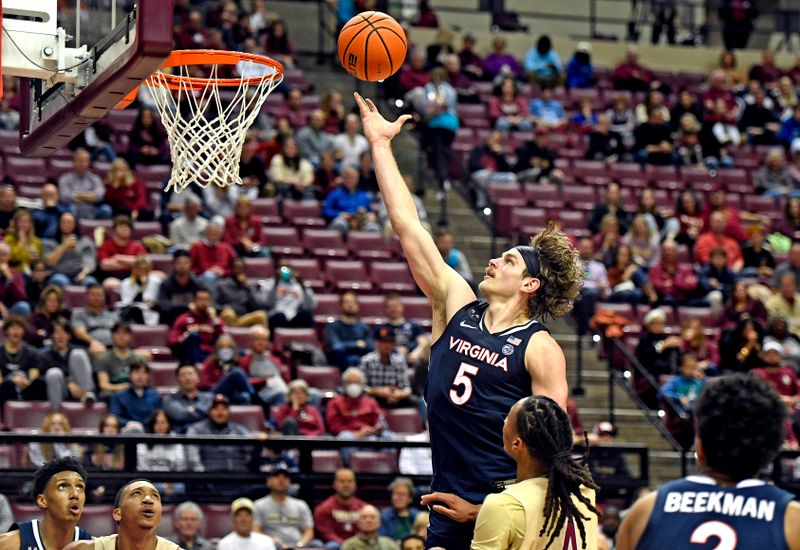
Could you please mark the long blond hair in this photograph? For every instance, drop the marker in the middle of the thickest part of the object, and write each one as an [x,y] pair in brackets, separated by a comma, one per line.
[128,179]
[46,426]
[12,228]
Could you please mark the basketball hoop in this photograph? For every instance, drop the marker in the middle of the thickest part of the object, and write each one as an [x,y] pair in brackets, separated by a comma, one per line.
[206,131]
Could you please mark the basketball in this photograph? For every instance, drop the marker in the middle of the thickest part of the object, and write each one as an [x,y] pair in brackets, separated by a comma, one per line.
[372,46]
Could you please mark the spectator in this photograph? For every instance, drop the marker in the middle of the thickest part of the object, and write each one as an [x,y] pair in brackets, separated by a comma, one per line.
[289,300]
[758,260]
[244,230]
[125,194]
[235,296]
[37,281]
[113,366]
[542,63]
[455,258]
[487,163]
[193,33]
[350,144]
[420,527]
[220,458]
[628,281]
[675,283]
[547,111]
[439,48]
[335,517]
[355,414]
[386,372]
[786,303]
[104,456]
[719,90]
[778,333]
[25,246]
[794,167]
[703,348]
[71,256]
[742,306]
[687,105]
[684,389]
[658,353]
[471,62]
[252,170]
[508,109]
[187,521]
[791,265]
[334,110]
[369,521]
[327,175]
[347,338]
[138,294]
[176,291]
[780,376]
[8,205]
[740,349]
[277,44]
[187,404]
[45,219]
[68,369]
[687,224]
[265,368]
[718,202]
[715,237]
[773,179]
[790,225]
[298,416]
[292,110]
[759,123]
[437,106]
[654,101]
[117,254]
[790,127]
[767,73]
[580,73]
[631,75]
[348,208]
[605,144]
[287,520]
[49,308]
[648,207]
[536,161]
[611,204]
[621,118]
[222,374]
[494,63]
[595,285]
[584,120]
[413,74]
[212,258]
[367,180]
[147,139]
[643,241]
[94,324]
[410,338]
[20,366]
[722,121]
[738,19]
[163,457]
[312,140]
[243,537]
[689,150]
[83,189]
[193,334]
[397,520]
[654,141]
[716,279]
[292,174]
[463,85]
[426,17]
[41,453]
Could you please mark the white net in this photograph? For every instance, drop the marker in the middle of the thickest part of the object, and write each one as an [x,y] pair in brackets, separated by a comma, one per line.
[206,127]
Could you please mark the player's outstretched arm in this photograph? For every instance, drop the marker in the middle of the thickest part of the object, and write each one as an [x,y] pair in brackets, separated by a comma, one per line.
[440,283]
[632,528]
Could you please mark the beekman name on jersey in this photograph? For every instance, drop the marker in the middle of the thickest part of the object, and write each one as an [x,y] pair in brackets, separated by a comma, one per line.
[480,353]
[720,502]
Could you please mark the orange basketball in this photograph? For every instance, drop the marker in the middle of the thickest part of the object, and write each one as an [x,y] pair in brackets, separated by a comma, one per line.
[372,46]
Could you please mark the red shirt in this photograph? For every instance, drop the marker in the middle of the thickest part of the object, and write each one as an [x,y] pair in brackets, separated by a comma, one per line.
[708,242]
[233,231]
[733,225]
[205,256]
[336,521]
[111,247]
[678,283]
[783,379]
[208,329]
[345,414]
[133,197]
[308,419]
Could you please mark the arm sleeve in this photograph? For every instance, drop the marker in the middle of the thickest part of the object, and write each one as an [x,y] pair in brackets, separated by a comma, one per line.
[494,527]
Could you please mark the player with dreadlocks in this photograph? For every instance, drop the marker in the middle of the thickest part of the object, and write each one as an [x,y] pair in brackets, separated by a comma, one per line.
[740,428]
[554,493]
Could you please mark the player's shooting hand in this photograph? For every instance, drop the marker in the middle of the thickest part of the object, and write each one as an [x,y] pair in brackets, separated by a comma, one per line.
[451,506]
[376,128]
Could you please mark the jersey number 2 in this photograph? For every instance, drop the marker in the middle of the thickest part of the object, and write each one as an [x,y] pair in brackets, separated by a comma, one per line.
[723,532]
[462,378]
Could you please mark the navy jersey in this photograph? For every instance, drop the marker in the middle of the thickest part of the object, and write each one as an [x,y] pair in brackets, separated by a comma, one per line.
[473,380]
[696,514]
[31,539]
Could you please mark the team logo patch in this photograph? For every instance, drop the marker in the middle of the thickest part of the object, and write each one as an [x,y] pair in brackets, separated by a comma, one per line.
[507,349]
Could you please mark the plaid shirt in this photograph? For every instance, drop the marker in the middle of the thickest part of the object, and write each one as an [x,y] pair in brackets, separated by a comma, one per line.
[379,375]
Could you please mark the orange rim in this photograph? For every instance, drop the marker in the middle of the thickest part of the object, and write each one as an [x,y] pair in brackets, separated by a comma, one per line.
[180,58]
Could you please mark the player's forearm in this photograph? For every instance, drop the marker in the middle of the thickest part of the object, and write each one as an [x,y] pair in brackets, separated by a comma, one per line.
[395,193]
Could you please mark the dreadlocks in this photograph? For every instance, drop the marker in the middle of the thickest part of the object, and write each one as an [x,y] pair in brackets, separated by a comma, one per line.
[546,431]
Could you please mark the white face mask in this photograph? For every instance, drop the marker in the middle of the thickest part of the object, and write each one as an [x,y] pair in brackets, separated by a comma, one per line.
[225,354]
[353,390]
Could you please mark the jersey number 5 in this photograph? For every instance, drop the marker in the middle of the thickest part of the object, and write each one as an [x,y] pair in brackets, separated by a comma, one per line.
[462,378]
[723,532]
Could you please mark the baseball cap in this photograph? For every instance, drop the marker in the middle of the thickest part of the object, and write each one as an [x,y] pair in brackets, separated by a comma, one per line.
[220,399]
[281,469]
[604,428]
[773,346]
[384,334]
[241,503]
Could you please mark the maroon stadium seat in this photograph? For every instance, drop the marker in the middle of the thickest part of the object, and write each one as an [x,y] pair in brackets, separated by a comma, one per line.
[259,268]
[544,196]
[625,170]
[324,243]
[81,415]
[403,421]
[370,305]
[320,377]
[326,461]
[283,241]
[249,416]
[503,191]
[393,277]
[240,335]
[309,270]
[147,336]
[528,216]
[57,167]
[706,316]
[97,520]
[162,373]
[217,520]
[416,307]
[25,414]
[368,244]
[327,305]
[502,215]
[17,168]
[579,195]
[25,512]
[374,462]
[301,209]
[161,262]
[142,229]
[74,296]
[589,168]
[283,336]
[347,275]
[265,207]
[155,172]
